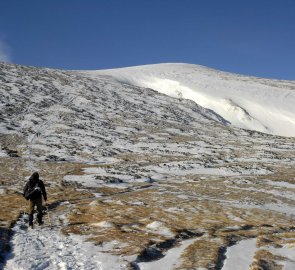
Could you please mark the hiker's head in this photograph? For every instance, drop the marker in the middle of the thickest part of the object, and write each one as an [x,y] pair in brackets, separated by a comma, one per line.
[34,177]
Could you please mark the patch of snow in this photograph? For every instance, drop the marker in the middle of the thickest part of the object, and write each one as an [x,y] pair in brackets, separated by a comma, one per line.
[85,180]
[185,168]
[182,196]
[137,203]
[287,251]
[159,228]
[3,153]
[281,208]
[94,203]
[234,218]
[240,256]
[103,224]
[174,210]
[280,184]
[97,195]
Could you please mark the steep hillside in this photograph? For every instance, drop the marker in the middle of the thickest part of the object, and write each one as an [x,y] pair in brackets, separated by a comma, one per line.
[141,180]
[71,116]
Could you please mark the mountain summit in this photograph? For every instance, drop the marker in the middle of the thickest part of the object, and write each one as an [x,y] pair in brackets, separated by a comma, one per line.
[247,102]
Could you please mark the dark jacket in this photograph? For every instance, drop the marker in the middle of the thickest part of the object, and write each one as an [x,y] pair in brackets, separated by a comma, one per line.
[34,188]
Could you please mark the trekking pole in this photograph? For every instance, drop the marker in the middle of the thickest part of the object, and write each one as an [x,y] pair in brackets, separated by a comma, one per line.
[26,211]
[48,215]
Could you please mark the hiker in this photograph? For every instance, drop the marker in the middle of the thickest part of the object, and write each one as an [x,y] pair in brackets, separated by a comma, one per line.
[33,191]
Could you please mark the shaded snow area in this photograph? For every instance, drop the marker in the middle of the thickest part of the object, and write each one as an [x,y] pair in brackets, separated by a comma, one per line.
[247,102]
[171,260]
[45,248]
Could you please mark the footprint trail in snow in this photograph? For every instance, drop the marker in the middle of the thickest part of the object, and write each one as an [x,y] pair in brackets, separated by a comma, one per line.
[46,248]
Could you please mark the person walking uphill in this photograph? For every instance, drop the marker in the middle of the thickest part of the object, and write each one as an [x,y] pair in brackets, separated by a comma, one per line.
[33,191]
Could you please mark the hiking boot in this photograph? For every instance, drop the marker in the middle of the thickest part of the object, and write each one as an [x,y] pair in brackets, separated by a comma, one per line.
[40,223]
[30,226]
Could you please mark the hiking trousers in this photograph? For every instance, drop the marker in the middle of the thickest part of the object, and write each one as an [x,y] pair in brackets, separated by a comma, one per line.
[38,203]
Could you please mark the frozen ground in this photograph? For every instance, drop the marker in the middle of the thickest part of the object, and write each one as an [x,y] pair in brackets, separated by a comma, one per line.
[138,179]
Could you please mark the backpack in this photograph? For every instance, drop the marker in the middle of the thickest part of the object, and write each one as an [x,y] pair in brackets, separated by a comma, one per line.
[34,192]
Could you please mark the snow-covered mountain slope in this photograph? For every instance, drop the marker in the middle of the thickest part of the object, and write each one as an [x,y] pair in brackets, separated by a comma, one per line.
[83,117]
[156,182]
[247,102]
[77,118]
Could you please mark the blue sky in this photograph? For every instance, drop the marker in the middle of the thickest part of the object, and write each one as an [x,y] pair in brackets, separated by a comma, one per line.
[251,37]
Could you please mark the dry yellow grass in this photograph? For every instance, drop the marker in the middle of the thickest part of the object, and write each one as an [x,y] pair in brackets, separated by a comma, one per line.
[123,214]
[11,207]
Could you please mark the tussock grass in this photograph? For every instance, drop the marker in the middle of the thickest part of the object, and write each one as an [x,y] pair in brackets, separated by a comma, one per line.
[202,253]
[263,259]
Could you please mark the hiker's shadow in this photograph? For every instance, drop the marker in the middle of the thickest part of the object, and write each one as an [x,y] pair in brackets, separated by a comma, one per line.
[54,205]
[5,246]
